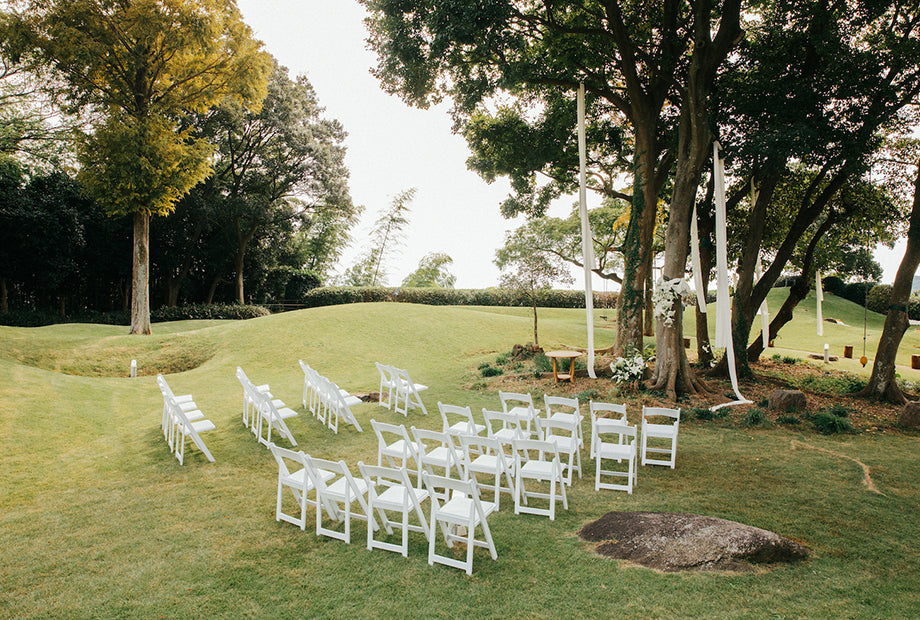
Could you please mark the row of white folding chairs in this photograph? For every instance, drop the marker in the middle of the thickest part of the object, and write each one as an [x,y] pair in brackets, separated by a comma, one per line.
[181,419]
[331,489]
[326,401]
[401,392]
[262,412]
[483,459]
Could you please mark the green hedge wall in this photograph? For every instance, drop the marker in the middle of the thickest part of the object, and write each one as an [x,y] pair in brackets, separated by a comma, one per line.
[39,318]
[335,295]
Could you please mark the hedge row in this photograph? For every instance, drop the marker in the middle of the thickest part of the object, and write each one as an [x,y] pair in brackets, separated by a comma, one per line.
[39,318]
[335,295]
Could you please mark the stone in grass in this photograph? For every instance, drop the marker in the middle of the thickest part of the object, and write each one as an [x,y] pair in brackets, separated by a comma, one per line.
[788,400]
[910,416]
[672,542]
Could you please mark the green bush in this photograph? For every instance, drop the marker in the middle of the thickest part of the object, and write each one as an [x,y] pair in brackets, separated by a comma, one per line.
[834,285]
[755,418]
[839,410]
[41,318]
[913,307]
[857,291]
[336,295]
[490,371]
[207,312]
[789,418]
[705,413]
[833,385]
[827,423]
[542,363]
[586,395]
[879,297]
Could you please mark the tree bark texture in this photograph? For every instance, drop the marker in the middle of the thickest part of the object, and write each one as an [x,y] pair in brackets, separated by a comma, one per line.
[883,384]
[140,271]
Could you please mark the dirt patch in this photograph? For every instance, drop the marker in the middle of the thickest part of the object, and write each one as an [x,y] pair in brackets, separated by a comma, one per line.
[673,542]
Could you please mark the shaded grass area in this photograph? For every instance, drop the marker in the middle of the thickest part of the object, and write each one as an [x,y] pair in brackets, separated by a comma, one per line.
[97,519]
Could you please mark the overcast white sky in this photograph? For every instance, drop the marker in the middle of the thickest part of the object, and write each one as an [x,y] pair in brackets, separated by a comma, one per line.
[392,147]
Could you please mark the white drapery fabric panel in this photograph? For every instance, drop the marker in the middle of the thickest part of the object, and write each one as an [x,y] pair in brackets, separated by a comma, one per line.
[587,244]
[764,308]
[723,302]
[695,262]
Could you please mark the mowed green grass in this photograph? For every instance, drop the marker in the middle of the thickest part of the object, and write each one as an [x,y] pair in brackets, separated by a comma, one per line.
[97,519]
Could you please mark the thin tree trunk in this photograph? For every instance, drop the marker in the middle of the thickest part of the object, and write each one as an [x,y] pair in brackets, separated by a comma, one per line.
[649,305]
[533,301]
[140,289]
[883,384]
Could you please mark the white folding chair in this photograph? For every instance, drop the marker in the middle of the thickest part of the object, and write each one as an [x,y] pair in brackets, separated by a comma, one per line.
[537,461]
[309,385]
[387,384]
[504,426]
[614,440]
[339,405]
[395,494]
[520,406]
[273,416]
[597,409]
[486,456]
[459,420]
[294,475]
[252,394]
[335,495]
[184,401]
[464,509]
[184,427]
[566,409]
[437,450]
[407,392]
[657,432]
[564,433]
[394,444]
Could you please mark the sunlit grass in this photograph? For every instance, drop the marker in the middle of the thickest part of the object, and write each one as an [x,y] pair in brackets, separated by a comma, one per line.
[97,519]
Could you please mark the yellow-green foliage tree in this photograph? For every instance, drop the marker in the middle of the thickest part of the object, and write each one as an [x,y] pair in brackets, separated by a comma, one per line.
[139,68]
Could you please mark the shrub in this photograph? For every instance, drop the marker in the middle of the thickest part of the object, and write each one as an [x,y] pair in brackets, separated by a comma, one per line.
[586,395]
[542,364]
[857,291]
[755,417]
[839,410]
[502,359]
[335,295]
[834,385]
[879,297]
[913,307]
[705,413]
[827,423]
[788,418]
[207,311]
[490,371]
[834,285]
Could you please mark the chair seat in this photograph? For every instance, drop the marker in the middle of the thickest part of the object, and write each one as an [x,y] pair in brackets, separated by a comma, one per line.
[337,489]
[464,428]
[659,430]
[399,448]
[297,478]
[441,456]
[538,469]
[286,412]
[351,400]
[488,463]
[458,510]
[200,426]
[394,498]
[617,451]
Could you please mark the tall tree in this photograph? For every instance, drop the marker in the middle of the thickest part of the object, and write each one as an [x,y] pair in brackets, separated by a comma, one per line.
[143,67]
[653,63]
[387,235]
[432,271]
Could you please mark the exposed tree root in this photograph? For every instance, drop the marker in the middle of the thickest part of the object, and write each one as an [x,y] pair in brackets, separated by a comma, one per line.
[867,479]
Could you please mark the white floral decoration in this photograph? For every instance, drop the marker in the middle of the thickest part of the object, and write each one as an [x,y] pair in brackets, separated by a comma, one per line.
[665,296]
[629,368]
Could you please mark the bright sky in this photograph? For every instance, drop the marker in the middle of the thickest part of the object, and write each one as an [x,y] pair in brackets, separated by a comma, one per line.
[392,147]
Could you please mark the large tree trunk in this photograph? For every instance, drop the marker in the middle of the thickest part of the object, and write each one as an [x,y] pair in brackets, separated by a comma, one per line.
[243,240]
[4,297]
[140,289]
[882,384]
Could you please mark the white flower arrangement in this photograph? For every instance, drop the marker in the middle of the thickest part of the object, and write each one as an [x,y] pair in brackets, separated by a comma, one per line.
[630,368]
[666,295]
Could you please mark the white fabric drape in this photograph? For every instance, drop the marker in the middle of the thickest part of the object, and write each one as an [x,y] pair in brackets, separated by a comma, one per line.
[587,244]
[764,309]
[695,262]
[819,294]
[723,302]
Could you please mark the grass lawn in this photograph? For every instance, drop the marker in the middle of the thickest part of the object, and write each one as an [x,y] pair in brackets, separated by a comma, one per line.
[97,519]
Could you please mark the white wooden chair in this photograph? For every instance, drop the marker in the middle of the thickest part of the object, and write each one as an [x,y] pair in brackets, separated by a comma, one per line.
[504,426]
[309,385]
[664,436]
[407,392]
[521,407]
[459,420]
[395,445]
[273,416]
[335,495]
[599,409]
[437,450]
[537,461]
[252,394]
[294,475]
[565,409]
[564,433]
[184,427]
[614,440]
[184,401]
[387,384]
[486,456]
[395,494]
[338,403]
[464,509]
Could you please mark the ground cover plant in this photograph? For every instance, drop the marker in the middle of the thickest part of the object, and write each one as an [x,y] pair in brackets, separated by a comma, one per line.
[97,519]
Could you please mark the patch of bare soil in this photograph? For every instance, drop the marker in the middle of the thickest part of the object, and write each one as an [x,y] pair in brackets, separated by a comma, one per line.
[672,542]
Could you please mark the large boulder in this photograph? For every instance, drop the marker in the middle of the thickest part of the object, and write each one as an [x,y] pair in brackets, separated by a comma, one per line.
[673,542]
[910,416]
[788,400]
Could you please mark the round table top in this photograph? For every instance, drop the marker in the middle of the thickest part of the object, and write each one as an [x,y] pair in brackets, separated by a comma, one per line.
[563,354]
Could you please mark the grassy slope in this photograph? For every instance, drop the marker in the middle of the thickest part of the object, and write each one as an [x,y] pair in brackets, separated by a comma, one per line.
[98,520]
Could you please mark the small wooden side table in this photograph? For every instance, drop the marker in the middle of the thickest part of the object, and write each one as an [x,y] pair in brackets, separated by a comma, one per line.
[556,355]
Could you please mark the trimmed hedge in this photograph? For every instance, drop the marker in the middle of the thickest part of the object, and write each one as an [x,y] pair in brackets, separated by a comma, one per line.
[878,298]
[40,318]
[336,295]
[857,292]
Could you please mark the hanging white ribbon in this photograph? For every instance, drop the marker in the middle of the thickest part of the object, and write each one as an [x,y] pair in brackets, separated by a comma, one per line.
[819,295]
[723,302]
[587,244]
[764,309]
[695,262]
